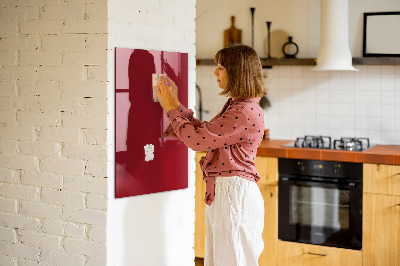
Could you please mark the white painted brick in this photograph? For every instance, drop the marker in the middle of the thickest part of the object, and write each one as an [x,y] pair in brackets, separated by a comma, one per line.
[16,132]
[96,168]
[38,209]
[92,105]
[40,27]
[75,230]
[85,152]
[96,42]
[19,43]
[8,234]
[35,239]
[18,72]
[61,259]
[24,103]
[8,146]
[8,205]
[96,11]
[19,251]
[190,36]
[25,262]
[96,73]
[7,88]
[8,261]
[7,175]
[39,118]
[40,148]
[39,87]
[18,191]
[85,121]
[53,227]
[58,134]
[84,247]
[62,12]
[19,221]
[94,201]
[60,73]
[84,216]
[97,234]
[63,197]
[67,42]
[39,58]
[84,26]
[62,166]
[86,1]
[32,2]
[87,88]
[64,104]
[8,58]
[18,13]
[41,179]
[161,19]
[86,184]
[95,136]
[18,161]
[7,117]
[89,57]
[99,260]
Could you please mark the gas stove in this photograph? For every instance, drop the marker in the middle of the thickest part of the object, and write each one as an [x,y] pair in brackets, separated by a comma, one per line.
[325,142]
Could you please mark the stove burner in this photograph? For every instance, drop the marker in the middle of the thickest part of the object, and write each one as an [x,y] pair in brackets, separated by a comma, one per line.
[308,141]
[351,144]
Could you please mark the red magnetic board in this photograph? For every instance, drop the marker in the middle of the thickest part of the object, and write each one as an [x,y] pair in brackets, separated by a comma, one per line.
[140,122]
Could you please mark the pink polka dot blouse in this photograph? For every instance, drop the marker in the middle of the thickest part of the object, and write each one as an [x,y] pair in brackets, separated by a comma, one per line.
[231,139]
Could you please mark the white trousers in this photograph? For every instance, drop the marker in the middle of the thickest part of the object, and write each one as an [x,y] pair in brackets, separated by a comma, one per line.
[234,223]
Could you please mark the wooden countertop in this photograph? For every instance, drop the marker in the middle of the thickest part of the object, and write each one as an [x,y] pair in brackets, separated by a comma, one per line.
[379,154]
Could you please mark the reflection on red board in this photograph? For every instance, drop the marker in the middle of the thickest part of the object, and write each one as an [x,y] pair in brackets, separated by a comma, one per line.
[146,162]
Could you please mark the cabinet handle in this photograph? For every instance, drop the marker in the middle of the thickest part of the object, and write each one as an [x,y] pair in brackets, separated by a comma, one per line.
[398,204]
[318,254]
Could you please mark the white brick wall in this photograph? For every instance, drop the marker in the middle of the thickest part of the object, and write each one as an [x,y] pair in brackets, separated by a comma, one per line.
[53,109]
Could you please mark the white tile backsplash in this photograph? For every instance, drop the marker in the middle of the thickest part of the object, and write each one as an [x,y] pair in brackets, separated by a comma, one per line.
[364,103]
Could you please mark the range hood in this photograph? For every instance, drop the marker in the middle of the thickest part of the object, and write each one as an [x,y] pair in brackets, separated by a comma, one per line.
[334,51]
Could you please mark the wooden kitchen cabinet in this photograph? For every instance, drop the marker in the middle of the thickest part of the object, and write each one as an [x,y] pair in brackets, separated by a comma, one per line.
[381,215]
[381,179]
[200,207]
[298,254]
[381,230]
[270,233]
[267,167]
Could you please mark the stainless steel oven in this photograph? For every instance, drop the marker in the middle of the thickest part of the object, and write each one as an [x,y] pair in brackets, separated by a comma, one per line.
[320,202]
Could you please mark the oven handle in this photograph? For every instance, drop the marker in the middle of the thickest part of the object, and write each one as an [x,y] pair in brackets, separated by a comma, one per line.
[297,181]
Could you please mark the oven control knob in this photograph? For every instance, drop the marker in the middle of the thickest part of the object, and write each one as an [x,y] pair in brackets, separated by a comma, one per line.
[336,169]
[302,167]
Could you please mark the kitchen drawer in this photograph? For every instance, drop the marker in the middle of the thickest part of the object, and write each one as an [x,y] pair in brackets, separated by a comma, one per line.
[298,254]
[381,179]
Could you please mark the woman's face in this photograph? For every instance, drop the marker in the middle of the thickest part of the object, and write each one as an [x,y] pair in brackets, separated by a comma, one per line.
[222,76]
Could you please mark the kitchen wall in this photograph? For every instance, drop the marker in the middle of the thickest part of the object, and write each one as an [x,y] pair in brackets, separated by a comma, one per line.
[155,229]
[339,103]
[53,106]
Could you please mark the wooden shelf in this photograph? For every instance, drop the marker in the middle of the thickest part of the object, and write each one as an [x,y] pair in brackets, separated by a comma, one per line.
[312,61]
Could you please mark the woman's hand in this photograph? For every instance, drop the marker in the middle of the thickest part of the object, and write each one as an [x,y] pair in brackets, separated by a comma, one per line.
[164,93]
[174,90]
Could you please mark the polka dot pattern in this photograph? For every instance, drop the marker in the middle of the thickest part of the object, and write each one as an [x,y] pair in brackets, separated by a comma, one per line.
[231,139]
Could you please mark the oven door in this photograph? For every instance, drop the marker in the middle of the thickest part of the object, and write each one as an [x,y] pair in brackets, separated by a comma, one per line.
[321,212]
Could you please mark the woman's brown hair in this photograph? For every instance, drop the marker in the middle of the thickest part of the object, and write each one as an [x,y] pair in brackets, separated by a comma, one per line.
[245,78]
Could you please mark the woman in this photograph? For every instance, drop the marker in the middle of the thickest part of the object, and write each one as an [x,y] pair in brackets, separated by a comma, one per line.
[235,207]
